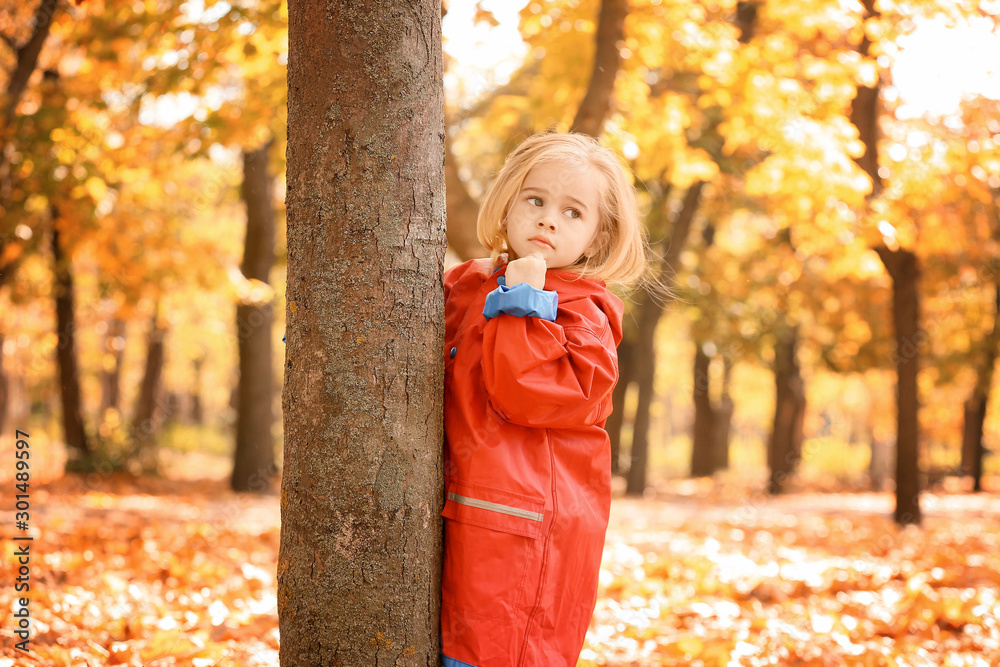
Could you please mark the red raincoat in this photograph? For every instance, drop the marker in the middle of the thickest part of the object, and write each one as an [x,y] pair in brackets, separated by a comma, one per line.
[527,469]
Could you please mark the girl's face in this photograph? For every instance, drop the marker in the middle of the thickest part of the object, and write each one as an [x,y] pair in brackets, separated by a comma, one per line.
[556,214]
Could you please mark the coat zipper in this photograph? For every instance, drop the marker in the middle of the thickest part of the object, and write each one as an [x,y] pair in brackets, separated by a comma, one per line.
[496,507]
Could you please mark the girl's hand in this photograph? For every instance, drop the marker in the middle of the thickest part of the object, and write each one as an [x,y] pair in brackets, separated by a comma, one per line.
[530,269]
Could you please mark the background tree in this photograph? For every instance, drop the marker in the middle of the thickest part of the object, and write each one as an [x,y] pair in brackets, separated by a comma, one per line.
[254,463]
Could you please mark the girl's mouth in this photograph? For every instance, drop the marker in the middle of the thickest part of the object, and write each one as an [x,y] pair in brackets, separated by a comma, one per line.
[542,241]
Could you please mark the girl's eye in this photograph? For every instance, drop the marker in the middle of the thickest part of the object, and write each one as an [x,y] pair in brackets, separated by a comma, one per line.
[533,200]
[573,213]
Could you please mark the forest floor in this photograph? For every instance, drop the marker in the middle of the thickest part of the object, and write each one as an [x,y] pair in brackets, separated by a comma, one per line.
[153,571]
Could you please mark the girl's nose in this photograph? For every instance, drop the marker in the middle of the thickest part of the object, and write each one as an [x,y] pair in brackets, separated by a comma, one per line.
[544,221]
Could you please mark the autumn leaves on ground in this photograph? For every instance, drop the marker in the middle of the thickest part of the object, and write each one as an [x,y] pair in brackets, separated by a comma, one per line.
[146,571]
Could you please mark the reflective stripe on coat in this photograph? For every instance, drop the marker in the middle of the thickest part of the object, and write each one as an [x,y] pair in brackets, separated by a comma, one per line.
[527,469]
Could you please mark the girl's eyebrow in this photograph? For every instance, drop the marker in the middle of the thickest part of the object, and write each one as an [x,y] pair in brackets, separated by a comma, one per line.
[535,188]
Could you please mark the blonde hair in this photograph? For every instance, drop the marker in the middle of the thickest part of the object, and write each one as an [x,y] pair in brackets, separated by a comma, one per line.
[621,250]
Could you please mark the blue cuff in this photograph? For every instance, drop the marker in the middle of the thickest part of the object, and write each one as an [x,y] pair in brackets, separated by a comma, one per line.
[521,300]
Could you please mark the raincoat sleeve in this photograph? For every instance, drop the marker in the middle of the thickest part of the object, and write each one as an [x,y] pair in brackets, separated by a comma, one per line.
[551,374]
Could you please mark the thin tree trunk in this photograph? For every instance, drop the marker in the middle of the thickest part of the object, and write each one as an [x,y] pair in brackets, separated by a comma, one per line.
[882,461]
[975,406]
[645,375]
[902,266]
[702,440]
[710,432]
[254,463]
[111,373]
[463,211]
[645,350]
[4,390]
[723,419]
[974,413]
[746,19]
[197,411]
[359,568]
[904,269]
[77,442]
[597,100]
[784,446]
[26,60]
[626,374]
[148,416]
[722,431]
[27,56]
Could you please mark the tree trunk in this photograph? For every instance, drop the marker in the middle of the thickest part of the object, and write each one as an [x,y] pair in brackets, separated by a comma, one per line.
[359,568]
[77,444]
[975,407]
[111,372]
[4,390]
[881,464]
[702,440]
[721,433]
[597,100]
[197,415]
[148,417]
[723,419]
[644,353]
[746,19]
[463,211]
[784,446]
[27,56]
[903,267]
[972,441]
[254,463]
[645,375]
[25,62]
[616,420]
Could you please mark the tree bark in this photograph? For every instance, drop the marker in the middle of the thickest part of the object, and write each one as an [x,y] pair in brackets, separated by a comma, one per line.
[880,467]
[359,568]
[645,375]
[111,373]
[784,446]
[746,19]
[702,437]
[254,458]
[722,431]
[463,211]
[904,269]
[197,415]
[597,100]
[148,415]
[974,414]
[975,407]
[723,419]
[902,266]
[645,349]
[626,375]
[26,60]
[77,443]
[27,57]
[4,390]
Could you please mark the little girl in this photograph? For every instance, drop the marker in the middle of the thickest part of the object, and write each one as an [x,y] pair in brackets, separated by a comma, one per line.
[530,364]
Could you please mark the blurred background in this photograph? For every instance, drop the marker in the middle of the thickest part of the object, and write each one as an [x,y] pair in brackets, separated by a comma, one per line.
[802,166]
